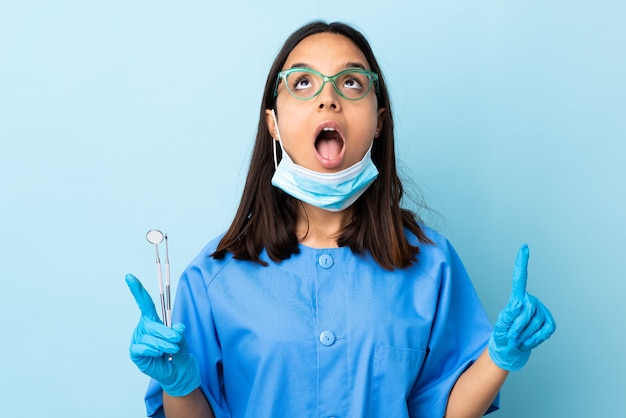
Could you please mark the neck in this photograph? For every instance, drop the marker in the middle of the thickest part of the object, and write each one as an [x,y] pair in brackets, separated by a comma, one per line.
[319,228]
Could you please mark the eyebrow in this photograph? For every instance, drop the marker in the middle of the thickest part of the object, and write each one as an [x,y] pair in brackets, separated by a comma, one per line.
[348,65]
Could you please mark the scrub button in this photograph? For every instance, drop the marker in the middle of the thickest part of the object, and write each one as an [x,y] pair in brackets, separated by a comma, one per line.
[326,261]
[327,338]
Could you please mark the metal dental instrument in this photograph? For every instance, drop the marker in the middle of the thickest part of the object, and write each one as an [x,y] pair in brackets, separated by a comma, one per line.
[154,236]
[168,299]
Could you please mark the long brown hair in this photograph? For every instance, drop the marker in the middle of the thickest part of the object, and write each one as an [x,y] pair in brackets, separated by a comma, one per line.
[266,217]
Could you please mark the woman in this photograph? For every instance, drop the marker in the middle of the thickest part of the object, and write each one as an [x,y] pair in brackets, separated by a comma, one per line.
[326,298]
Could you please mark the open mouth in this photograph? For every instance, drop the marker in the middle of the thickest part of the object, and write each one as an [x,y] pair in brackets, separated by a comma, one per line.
[329,144]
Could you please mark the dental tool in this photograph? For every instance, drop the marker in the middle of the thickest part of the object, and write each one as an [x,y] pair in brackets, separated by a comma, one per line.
[154,236]
[168,298]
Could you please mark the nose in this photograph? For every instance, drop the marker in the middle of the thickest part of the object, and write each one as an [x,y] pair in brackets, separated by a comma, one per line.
[328,97]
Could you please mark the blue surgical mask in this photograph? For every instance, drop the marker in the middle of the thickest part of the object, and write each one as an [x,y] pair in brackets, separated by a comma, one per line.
[330,191]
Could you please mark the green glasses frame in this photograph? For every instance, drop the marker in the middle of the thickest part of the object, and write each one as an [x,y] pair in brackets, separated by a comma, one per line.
[372,77]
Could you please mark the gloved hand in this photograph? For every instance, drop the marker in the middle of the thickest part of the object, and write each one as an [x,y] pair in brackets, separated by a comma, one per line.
[522,325]
[153,342]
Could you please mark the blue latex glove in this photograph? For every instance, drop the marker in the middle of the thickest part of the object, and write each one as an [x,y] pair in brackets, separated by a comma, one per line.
[153,342]
[522,325]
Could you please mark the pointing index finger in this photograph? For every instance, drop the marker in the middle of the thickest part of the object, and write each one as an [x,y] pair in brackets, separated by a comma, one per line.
[520,273]
[143,299]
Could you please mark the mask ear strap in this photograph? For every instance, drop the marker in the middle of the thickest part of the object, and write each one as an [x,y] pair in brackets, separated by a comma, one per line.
[275,161]
[274,140]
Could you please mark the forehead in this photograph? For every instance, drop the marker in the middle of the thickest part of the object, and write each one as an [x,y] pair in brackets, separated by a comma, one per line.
[326,52]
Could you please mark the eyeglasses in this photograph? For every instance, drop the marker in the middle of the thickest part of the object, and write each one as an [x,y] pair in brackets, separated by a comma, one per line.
[305,83]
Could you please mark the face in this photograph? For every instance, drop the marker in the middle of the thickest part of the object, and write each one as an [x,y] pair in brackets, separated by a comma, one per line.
[327,133]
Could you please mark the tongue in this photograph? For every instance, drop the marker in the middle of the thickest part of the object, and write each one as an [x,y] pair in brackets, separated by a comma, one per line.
[329,148]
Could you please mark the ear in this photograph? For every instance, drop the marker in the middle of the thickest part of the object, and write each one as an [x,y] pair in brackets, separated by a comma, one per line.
[271,125]
[379,125]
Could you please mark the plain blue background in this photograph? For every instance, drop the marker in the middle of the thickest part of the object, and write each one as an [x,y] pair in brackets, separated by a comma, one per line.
[121,116]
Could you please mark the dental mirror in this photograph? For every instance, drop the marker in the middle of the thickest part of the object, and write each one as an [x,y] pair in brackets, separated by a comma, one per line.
[154,236]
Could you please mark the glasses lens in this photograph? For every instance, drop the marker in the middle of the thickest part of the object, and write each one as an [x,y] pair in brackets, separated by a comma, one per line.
[303,84]
[354,85]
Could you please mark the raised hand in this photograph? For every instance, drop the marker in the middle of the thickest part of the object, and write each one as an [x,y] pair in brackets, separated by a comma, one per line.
[523,324]
[152,340]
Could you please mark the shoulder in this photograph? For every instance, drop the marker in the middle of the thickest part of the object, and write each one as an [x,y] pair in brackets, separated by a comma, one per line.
[439,246]
[207,250]
[437,257]
[204,266]
[207,268]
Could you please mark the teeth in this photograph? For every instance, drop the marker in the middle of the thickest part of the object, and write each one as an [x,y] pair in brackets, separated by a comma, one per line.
[328,128]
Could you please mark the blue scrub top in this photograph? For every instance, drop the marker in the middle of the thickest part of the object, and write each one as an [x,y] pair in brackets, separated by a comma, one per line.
[327,333]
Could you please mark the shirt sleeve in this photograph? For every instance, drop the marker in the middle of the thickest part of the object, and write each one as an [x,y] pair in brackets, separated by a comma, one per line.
[192,308]
[459,333]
